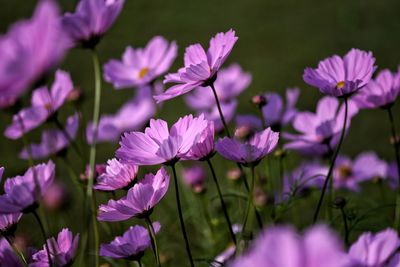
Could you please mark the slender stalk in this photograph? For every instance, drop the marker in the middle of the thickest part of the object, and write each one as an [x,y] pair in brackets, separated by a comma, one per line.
[44,236]
[16,251]
[68,137]
[346,227]
[204,204]
[224,209]
[152,234]
[139,262]
[249,201]
[328,176]
[397,155]
[221,115]
[178,203]
[92,158]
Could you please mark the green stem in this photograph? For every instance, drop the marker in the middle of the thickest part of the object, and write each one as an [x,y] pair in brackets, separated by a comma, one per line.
[16,251]
[178,203]
[221,115]
[139,262]
[397,155]
[328,176]
[44,236]
[68,137]
[92,158]
[152,234]
[346,227]
[249,200]
[224,209]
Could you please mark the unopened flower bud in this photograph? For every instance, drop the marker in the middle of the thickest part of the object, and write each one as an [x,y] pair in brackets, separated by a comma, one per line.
[234,174]
[259,100]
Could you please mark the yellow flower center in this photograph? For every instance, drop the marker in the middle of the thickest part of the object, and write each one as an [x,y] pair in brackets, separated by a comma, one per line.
[341,84]
[345,172]
[48,106]
[143,72]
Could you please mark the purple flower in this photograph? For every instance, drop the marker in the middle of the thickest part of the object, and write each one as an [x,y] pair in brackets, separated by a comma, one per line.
[131,245]
[7,101]
[53,140]
[23,192]
[1,172]
[249,152]
[275,113]
[92,18]
[7,221]
[224,257]
[320,131]
[338,76]
[141,66]
[228,109]
[62,250]
[45,103]
[159,145]
[392,175]
[111,127]
[30,49]
[117,176]
[204,146]
[283,247]
[373,250]
[7,255]
[230,83]
[380,92]
[140,200]
[56,196]
[366,166]
[194,177]
[200,67]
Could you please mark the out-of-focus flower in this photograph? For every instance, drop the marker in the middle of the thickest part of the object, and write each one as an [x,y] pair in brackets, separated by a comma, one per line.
[7,255]
[99,170]
[392,175]
[228,110]
[249,152]
[30,49]
[92,18]
[1,172]
[159,145]
[112,126]
[140,200]
[338,76]
[7,221]
[194,177]
[141,66]
[22,193]
[204,146]
[56,196]
[283,247]
[45,103]
[234,174]
[275,113]
[131,245]
[379,92]
[200,67]
[230,83]
[117,176]
[53,140]
[62,250]
[366,166]
[224,257]
[373,250]
[7,101]
[320,131]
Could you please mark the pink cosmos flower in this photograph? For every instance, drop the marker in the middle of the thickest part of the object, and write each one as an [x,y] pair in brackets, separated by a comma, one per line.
[7,221]
[204,146]
[158,144]
[45,103]
[338,76]
[194,177]
[62,250]
[200,67]
[228,110]
[53,140]
[117,176]
[56,197]
[7,255]
[249,152]
[23,192]
[140,200]
[30,49]
[141,66]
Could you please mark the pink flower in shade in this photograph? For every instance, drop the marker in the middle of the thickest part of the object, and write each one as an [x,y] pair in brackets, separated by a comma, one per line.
[7,221]
[392,175]
[7,101]
[22,193]
[373,250]
[379,92]
[62,250]
[204,146]
[30,49]
[194,177]
[230,83]
[56,197]
[200,67]
[111,127]
[117,176]
[141,66]
[92,18]
[131,245]
[53,140]
[45,103]
[249,152]
[159,145]
[338,76]
[8,258]
[140,200]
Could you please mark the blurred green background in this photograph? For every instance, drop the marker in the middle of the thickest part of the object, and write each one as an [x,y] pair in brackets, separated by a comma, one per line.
[277,40]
